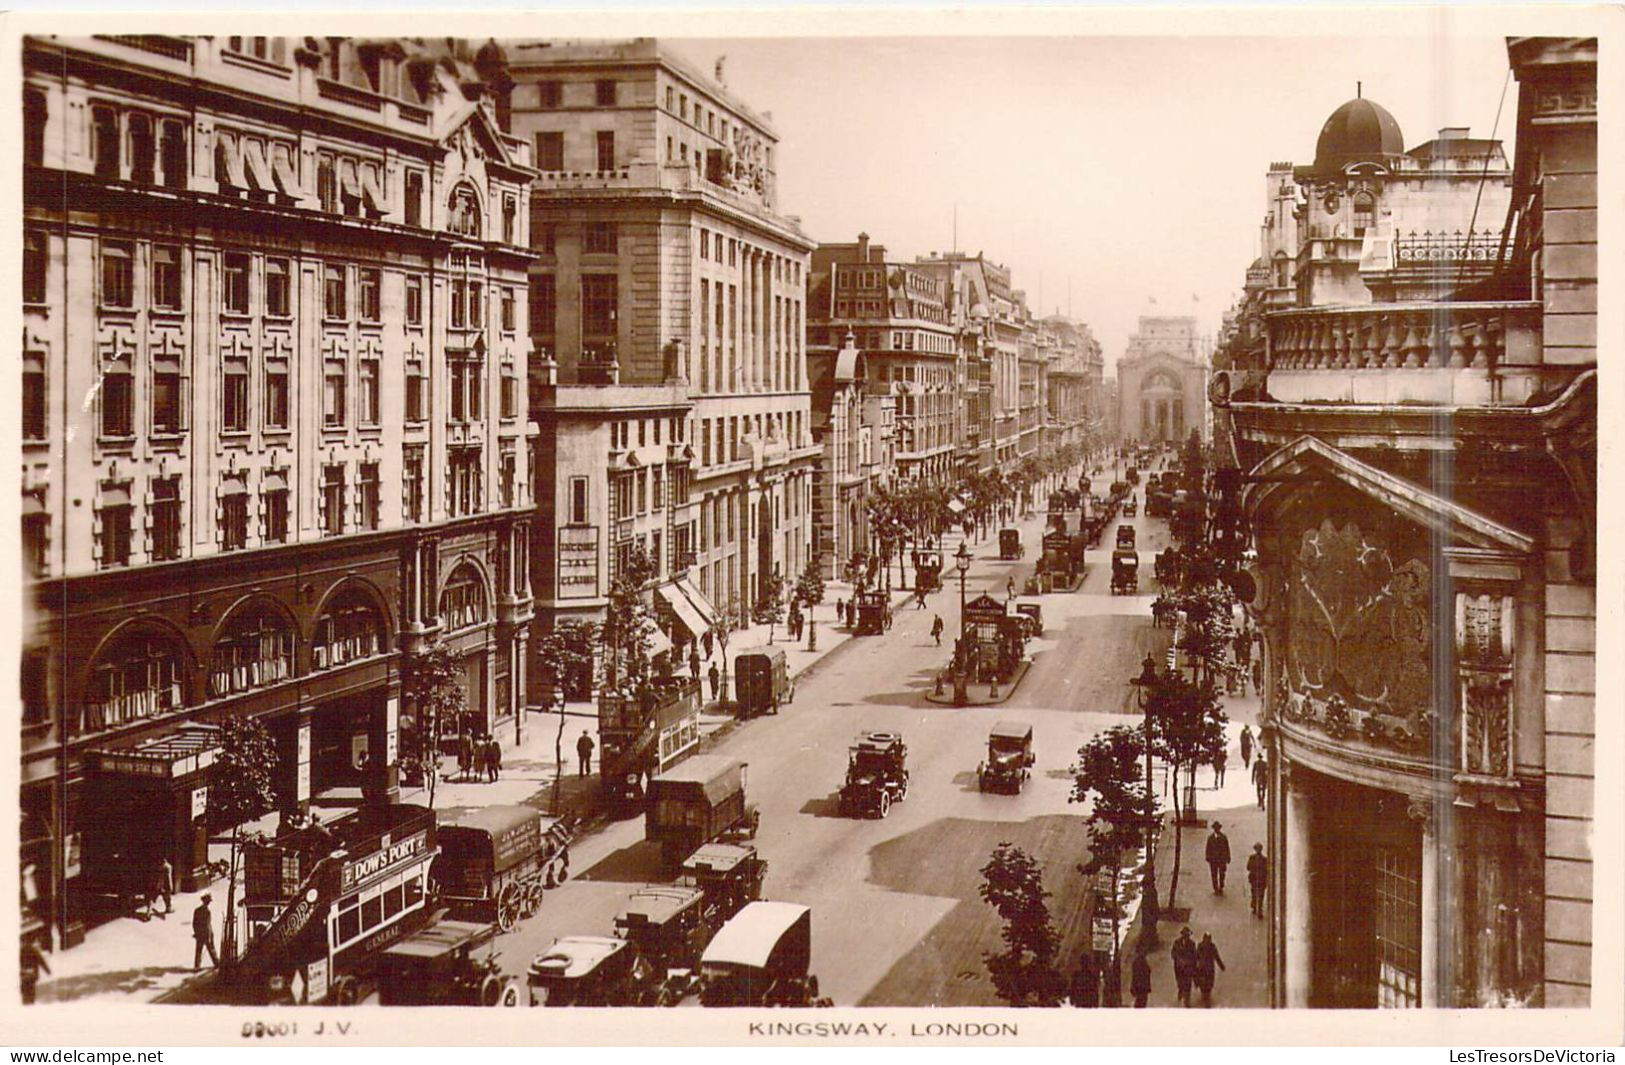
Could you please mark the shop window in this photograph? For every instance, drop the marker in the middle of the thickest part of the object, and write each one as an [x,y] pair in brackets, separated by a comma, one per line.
[350,629]
[255,650]
[462,602]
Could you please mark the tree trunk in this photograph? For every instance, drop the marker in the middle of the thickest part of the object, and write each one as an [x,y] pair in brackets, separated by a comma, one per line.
[1179,835]
[558,757]
[228,936]
[1112,993]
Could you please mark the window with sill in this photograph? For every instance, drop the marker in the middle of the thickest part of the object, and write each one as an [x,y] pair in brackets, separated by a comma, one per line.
[370,283]
[166,277]
[349,630]
[600,238]
[599,300]
[414,198]
[276,287]
[275,513]
[139,677]
[36,263]
[412,481]
[416,391]
[414,301]
[606,149]
[459,302]
[118,401]
[327,185]
[550,94]
[34,389]
[333,398]
[143,150]
[234,518]
[463,601]
[510,215]
[476,305]
[168,409]
[465,482]
[368,387]
[334,304]
[510,393]
[508,311]
[332,499]
[235,277]
[234,397]
[465,216]
[104,142]
[172,152]
[543,305]
[508,478]
[36,115]
[113,522]
[118,274]
[604,92]
[550,151]
[36,533]
[367,495]
[276,394]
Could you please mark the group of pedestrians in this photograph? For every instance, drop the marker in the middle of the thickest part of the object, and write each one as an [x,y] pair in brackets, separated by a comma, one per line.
[479,757]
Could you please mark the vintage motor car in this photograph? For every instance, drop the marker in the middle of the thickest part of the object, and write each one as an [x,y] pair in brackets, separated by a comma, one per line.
[495,862]
[1130,507]
[437,967]
[587,971]
[1125,536]
[1009,757]
[1125,572]
[730,874]
[761,958]
[696,802]
[876,775]
[669,927]
[1032,614]
[874,613]
[762,681]
[1010,544]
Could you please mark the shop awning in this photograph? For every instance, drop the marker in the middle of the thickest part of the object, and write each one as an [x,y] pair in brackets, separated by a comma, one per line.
[659,642]
[287,181]
[687,616]
[171,753]
[698,598]
[259,171]
[955,506]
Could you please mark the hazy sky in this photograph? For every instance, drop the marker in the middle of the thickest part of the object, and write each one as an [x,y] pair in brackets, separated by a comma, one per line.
[1133,167]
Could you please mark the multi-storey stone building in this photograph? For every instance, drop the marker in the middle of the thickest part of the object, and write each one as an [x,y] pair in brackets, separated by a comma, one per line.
[854,421]
[900,316]
[274,344]
[1073,372]
[1424,508]
[1162,381]
[668,317]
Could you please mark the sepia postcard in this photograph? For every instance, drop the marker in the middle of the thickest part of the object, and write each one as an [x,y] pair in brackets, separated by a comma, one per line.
[815,527]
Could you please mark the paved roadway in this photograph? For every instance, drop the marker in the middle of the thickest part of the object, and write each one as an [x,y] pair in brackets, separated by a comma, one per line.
[896,915]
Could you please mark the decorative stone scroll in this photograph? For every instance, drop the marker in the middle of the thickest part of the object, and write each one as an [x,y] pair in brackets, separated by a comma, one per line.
[1484,643]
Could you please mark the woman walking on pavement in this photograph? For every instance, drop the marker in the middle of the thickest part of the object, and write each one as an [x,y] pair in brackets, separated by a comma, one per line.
[1207,956]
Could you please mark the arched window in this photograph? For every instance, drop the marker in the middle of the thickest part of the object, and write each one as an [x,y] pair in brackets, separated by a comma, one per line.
[464,216]
[140,676]
[254,650]
[462,602]
[350,629]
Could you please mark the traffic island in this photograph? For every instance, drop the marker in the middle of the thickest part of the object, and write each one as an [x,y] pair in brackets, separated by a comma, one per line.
[978,693]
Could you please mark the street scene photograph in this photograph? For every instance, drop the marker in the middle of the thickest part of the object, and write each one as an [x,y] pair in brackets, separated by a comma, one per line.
[1081,522]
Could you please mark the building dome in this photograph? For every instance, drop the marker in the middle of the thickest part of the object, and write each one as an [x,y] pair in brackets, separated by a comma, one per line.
[1358,130]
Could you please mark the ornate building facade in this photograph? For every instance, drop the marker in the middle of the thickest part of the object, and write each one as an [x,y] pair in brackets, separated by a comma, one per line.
[854,421]
[1162,382]
[234,248]
[1427,597]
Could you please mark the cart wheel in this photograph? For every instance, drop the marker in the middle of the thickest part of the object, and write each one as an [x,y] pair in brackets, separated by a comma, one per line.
[508,908]
[345,991]
[490,991]
[885,804]
[513,994]
[533,899]
[668,996]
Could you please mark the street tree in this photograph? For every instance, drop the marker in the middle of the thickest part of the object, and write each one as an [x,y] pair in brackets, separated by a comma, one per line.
[1025,972]
[731,617]
[1123,810]
[433,686]
[628,625]
[1188,725]
[563,656]
[810,585]
[240,790]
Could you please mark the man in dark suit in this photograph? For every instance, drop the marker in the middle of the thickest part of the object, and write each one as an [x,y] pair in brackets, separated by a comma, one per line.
[1218,857]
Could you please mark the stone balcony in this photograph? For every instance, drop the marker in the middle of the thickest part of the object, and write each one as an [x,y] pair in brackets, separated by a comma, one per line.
[1442,354]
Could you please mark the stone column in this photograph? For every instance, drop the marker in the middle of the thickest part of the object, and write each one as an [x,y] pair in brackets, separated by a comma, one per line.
[384,742]
[747,318]
[1294,885]
[1421,812]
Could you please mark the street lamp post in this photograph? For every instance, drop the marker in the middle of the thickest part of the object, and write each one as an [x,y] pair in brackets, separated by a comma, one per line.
[962,652]
[1144,686]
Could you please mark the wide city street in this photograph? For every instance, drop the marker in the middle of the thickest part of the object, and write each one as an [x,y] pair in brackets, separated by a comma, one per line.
[896,915]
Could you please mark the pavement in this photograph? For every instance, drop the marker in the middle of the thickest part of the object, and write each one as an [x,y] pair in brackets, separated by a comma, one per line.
[897,915]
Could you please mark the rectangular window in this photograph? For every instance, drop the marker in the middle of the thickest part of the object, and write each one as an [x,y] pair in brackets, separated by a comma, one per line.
[414,301]
[604,92]
[459,302]
[367,495]
[115,535]
[333,499]
[172,153]
[550,151]
[118,274]
[578,500]
[599,294]
[276,516]
[36,113]
[143,151]
[166,401]
[104,143]
[327,185]
[276,395]
[416,387]
[414,198]
[33,396]
[118,403]
[371,308]
[235,281]
[36,261]
[551,94]
[508,315]
[334,304]
[476,389]
[412,488]
[600,238]
[510,393]
[510,215]
[276,287]
[459,389]
[476,305]
[606,149]
[508,476]
[333,395]
[234,521]
[369,386]
[166,277]
[166,519]
[234,398]
[543,305]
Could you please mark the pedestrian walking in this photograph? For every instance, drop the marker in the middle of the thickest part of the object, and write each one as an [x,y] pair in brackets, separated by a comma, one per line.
[203,934]
[1085,990]
[584,746]
[1010,587]
[1207,957]
[936,628]
[1184,955]
[1218,857]
[1258,877]
[33,961]
[716,683]
[694,662]
[1261,779]
[163,885]
[840,611]
[1139,984]
[493,754]
[1219,760]
[1246,746]
[465,755]
[919,599]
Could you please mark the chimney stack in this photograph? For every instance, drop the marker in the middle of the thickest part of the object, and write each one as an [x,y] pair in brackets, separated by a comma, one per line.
[863,247]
